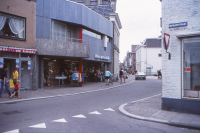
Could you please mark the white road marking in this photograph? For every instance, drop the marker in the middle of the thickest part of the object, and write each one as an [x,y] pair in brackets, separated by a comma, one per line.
[109,109]
[13,131]
[95,113]
[79,116]
[60,120]
[42,125]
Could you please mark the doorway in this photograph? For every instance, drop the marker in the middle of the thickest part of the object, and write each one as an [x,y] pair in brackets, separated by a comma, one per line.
[25,76]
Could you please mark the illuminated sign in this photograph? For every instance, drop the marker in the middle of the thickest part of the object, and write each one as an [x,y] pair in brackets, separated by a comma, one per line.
[101,57]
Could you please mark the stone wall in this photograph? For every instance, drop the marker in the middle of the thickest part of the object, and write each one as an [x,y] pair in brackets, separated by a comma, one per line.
[61,48]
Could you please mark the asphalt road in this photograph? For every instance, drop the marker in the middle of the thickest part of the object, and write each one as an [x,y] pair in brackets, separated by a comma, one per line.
[95,112]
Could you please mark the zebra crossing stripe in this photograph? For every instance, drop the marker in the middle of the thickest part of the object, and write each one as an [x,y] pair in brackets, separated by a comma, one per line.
[79,116]
[60,120]
[109,109]
[95,113]
[42,125]
[13,131]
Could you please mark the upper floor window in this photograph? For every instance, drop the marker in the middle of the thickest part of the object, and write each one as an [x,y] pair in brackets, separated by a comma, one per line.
[59,31]
[92,34]
[12,26]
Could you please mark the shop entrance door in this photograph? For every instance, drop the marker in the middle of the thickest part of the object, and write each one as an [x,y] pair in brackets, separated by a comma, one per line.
[25,74]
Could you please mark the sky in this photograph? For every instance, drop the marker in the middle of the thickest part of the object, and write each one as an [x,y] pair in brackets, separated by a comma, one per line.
[140,19]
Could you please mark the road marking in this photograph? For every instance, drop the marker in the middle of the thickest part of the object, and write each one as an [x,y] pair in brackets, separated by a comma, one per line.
[109,109]
[60,120]
[79,116]
[13,131]
[95,113]
[42,125]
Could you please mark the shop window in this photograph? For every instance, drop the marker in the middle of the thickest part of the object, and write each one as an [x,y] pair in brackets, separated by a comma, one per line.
[12,27]
[191,67]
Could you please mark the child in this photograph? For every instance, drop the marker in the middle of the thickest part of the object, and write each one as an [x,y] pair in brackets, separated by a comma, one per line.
[16,90]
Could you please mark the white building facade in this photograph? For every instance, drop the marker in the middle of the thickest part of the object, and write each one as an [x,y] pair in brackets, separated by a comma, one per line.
[149,56]
[181,72]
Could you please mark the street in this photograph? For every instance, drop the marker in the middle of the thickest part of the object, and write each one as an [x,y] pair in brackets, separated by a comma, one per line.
[95,112]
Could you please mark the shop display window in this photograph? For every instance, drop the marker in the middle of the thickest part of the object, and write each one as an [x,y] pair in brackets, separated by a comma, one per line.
[191,68]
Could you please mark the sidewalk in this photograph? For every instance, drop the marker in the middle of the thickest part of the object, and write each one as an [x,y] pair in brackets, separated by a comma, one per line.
[149,109]
[57,91]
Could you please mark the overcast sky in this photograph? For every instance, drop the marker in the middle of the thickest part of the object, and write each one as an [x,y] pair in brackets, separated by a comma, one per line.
[140,19]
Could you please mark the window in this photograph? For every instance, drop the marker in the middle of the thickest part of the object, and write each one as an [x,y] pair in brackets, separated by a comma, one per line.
[58,31]
[12,27]
[92,34]
[191,67]
[159,55]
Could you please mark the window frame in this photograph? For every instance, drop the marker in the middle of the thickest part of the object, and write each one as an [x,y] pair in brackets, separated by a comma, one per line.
[25,21]
[182,69]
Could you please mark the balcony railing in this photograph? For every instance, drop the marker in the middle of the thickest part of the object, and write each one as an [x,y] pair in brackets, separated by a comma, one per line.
[65,39]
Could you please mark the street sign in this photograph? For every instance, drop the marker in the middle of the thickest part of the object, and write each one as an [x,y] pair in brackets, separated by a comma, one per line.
[166,40]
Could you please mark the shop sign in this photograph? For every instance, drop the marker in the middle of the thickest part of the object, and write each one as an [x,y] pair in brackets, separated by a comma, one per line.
[174,25]
[18,50]
[1,63]
[101,57]
[17,63]
[29,65]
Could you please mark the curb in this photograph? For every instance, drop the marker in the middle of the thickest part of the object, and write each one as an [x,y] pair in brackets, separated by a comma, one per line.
[121,109]
[37,98]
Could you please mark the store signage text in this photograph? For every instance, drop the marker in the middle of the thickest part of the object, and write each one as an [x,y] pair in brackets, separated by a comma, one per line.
[18,50]
[101,57]
[174,25]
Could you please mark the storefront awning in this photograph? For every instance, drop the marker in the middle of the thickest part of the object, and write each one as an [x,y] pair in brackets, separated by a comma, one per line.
[18,50]
[188,35]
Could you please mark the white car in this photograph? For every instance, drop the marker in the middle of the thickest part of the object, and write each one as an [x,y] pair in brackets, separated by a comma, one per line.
[140,75]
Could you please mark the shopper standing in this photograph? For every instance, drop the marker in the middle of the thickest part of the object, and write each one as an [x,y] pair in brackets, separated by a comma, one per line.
[3,82]
[121,74]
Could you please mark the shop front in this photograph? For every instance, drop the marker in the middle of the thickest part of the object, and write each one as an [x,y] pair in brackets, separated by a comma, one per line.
[191,68]
[59,71]
[22,59]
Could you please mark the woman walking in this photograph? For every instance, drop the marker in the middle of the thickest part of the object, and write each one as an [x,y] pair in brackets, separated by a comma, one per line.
[124,75]
[3,82]
[121,74]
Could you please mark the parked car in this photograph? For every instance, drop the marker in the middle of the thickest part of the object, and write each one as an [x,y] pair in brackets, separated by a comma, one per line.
[140,75]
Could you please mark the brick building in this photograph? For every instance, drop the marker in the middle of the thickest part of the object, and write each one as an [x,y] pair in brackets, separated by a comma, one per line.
[17,39]
[181,55]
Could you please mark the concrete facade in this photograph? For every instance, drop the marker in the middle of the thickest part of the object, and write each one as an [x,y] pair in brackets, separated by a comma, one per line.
[175,12]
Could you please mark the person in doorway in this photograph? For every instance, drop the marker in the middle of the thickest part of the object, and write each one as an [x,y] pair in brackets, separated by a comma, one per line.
[124,75]
[16,90]
[15,76]
[107,75]
[3,82]
[121,74]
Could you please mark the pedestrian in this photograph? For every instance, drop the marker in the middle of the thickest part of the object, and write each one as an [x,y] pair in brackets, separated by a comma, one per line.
[107,75]
[15,76]
[3,82]
[121,74]
[16,90]
[159,74]
[124,75]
